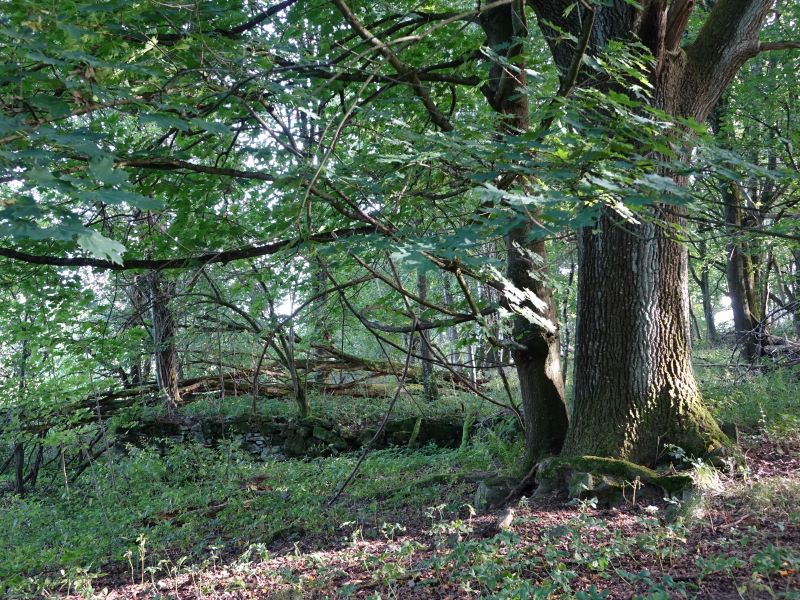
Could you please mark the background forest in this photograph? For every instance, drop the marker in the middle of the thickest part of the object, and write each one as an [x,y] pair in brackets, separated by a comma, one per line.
[328,298]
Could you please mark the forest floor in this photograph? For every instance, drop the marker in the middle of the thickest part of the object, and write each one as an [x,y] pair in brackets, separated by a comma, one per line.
[183,521]
[739,539]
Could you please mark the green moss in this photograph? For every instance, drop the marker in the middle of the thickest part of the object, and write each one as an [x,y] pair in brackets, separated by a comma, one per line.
[560,474]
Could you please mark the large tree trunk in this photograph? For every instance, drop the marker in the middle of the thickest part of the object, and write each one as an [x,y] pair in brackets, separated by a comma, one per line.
[537,351]
[634,387]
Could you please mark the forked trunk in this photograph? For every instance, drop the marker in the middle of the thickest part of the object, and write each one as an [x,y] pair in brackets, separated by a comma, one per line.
[635,389]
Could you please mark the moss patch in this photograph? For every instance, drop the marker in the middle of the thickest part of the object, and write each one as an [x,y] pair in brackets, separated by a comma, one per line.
[610,480]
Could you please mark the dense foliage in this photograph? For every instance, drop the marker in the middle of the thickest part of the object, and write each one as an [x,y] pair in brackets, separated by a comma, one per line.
[314,212]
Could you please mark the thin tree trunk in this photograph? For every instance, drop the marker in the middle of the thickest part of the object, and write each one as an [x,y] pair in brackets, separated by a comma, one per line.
[19,447]
[698,336]
[739,274]
[431,391]
[537,353]
[796,292]
[322,330]
[19,458]
[452,332]
[704,283]
[163,333]
[565,324]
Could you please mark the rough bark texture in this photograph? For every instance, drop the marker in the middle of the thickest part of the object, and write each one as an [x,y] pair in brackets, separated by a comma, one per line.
[635,388]
[166,355]
[634,385]
[539,363]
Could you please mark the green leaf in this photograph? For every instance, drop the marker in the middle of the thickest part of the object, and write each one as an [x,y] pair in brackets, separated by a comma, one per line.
[116,197]
[104,172]
[56,107]
[209,126]
[100,246]
[165,121]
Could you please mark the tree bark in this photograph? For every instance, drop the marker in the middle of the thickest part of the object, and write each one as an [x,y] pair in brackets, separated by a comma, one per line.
[537,357]
[634,387]
[739,275]
[452,332]
[19,447]
[565,322]
[163,332]
[704,283]
[428,382]
[322,330]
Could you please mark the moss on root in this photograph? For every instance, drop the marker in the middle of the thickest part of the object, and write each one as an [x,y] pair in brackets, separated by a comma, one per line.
[605,478]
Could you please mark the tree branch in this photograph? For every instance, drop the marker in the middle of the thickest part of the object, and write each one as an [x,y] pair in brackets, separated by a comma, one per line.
[174,164]
[778,45]
[208,258]
[171,38]
[677,21]
[422,92]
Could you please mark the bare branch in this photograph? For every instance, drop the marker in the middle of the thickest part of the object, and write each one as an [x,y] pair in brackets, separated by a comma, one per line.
[779,45]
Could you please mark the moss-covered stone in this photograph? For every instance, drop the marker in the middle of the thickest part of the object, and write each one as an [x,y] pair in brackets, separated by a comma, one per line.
[610,480]
[492,491]
[296,446]
[330,438]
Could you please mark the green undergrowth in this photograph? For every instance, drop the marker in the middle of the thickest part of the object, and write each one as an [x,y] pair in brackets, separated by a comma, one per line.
[145,514]
[195,501]
[763,399]
[584,555]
